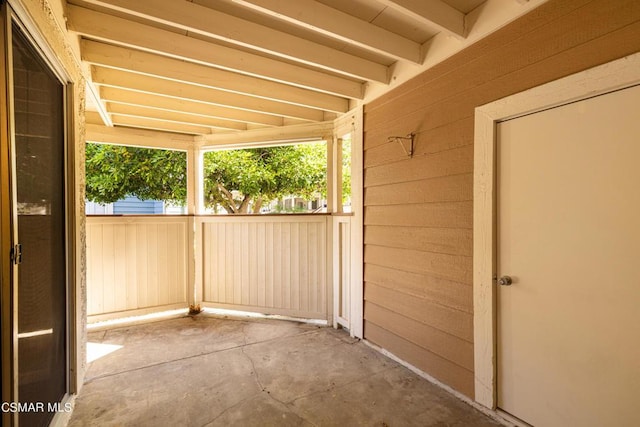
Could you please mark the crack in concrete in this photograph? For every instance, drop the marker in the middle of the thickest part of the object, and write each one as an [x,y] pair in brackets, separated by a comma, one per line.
[227,409]
[263,389]
[290,405]
[253,365]
[338,387]
[193,356]
[309,407]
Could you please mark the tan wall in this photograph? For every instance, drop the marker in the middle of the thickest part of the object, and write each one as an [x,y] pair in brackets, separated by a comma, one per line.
[46,16]
[418,212]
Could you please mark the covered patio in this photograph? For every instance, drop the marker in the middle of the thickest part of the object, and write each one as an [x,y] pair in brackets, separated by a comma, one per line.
[399,310]
[209,370]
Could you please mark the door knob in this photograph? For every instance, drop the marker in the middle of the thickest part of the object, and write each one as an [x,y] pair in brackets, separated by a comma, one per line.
[505,281]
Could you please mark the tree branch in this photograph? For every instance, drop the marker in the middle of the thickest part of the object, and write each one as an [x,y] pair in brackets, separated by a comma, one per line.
[231,204]
[244,205]
[258,205]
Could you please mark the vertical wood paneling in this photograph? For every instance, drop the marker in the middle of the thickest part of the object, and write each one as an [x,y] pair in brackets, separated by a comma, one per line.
[418,211]
[141,262]
[172,254]
[218,271]
[313,268]
[260,266]
[108,252]
[163,259]
[279,264]
[131,280]
[119,276]
[237,264]
[253,264]
[135,263]
[269,270]
[303,273]
[152,264]
[345,269]
[229,271]
[342,282]
[245,290]
[286,265]
[322,253]
[294,284]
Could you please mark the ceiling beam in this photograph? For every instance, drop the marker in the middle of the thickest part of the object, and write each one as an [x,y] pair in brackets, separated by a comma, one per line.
[159,125]
[148,84]
[331,22]
[431,12]
[137,137]
[173,116]
[169,68]
[127,97]
[211,23]
[101,26]
[93,97]
[272,136]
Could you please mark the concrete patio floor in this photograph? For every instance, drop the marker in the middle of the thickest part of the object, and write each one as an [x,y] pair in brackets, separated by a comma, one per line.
[213,371]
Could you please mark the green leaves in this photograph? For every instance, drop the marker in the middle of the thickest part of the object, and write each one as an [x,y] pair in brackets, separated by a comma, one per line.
[235,178]
[114,171]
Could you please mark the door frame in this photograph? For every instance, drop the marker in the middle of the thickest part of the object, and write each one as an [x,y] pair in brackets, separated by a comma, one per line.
[8,313]
[615,75]
[15,12]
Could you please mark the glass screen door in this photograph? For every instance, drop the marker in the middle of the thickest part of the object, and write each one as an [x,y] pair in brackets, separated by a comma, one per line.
[39,216]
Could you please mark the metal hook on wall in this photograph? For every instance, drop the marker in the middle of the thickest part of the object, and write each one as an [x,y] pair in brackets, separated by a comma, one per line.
[400,139]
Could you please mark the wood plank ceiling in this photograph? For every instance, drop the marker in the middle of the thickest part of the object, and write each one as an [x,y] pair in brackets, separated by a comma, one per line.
[205,67]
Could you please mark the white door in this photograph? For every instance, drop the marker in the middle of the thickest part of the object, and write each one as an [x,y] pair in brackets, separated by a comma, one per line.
[568,205]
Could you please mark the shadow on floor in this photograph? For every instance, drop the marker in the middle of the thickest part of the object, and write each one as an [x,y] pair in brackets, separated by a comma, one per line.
[211,371]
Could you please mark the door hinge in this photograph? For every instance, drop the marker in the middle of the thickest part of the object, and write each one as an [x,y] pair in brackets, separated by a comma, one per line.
[16,254]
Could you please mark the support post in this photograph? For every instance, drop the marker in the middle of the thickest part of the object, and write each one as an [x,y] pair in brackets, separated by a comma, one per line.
[331,207]
[357,226]
[337,172]
[195,207]
[331,183]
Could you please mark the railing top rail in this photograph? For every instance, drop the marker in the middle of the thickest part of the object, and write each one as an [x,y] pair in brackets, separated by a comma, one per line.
[211,215]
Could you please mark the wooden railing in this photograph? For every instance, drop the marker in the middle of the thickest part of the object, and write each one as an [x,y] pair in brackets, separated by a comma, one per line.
[270,264]
[273,264]
[136,264]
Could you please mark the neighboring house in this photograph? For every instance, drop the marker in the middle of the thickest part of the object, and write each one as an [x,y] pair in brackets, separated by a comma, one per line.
[296,204]
[133,206]
[93,208]
[430,91]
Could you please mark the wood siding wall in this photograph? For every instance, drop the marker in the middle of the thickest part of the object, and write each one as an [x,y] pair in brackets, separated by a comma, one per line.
[136,263]
[418,211]
[269,264]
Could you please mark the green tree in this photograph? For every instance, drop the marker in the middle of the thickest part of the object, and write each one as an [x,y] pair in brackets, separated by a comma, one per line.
[240,181]
[114,172]
[236,180]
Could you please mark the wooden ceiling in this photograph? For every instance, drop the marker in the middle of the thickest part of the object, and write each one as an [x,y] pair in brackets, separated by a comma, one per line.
[205,67]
